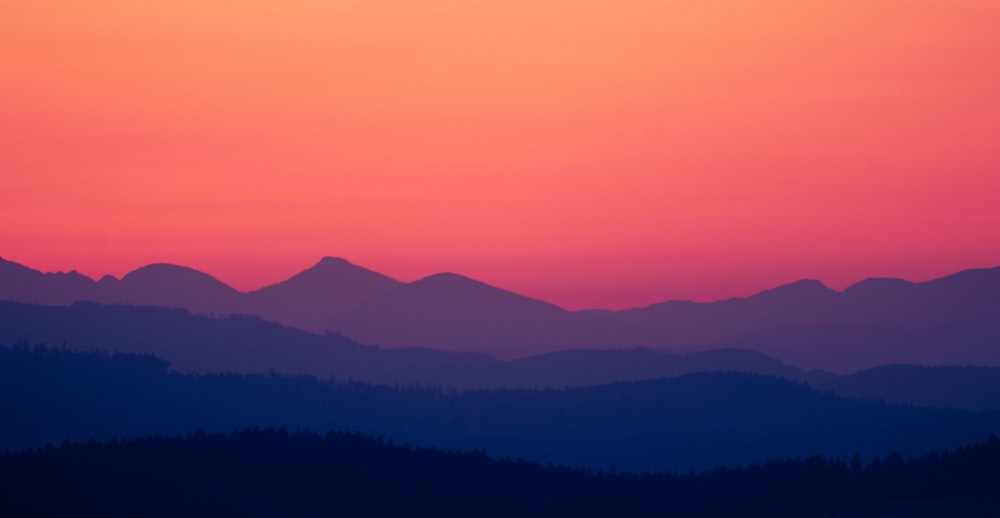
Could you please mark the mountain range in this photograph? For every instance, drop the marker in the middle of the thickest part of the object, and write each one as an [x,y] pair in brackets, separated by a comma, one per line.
[249,345]
[245,345]
[953,320]
[691,422]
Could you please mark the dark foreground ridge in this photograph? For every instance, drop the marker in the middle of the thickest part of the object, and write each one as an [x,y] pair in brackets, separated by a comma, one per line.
[277,473]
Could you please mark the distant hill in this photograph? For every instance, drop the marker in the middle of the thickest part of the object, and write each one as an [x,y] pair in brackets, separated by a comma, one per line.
[973,388]
[452,312]
[238,344]
[22,284]
[245,345]
[161,284]
[698,324]
[171,286]
[697,421]
[954,320]
[583,367]
[308,299]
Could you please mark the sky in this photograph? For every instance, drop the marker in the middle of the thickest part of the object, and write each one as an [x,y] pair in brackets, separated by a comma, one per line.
[604,153]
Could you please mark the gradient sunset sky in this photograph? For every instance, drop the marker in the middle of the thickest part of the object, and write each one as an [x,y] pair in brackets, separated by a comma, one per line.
[607,153]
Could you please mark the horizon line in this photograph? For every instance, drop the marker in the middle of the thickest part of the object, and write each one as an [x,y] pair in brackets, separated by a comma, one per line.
[340,258]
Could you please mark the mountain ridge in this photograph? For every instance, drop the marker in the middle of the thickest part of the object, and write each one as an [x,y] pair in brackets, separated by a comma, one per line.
[249,345]
[693,422]
[991,273]
[805,323]
[306,299]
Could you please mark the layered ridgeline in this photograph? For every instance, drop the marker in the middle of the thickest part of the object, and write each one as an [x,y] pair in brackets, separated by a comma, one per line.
[696,421]
[953,320]
[249,345]
[276,473]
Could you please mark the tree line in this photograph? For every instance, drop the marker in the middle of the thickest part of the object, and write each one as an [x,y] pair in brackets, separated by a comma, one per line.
[270,472]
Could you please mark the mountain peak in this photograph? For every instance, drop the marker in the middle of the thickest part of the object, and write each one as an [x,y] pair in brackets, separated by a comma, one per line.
[173,286]
[334,273]
[879,285]
[309,298]
[163,270]
[181,282]
[459,292]
[334,261]
[811,284]
[72,274]
[798,288]
[337,270]
[456,281]
[451,277]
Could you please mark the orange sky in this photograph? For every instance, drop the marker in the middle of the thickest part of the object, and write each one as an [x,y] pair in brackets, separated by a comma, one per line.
[593,153]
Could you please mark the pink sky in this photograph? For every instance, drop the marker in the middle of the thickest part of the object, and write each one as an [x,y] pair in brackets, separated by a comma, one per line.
[594,154]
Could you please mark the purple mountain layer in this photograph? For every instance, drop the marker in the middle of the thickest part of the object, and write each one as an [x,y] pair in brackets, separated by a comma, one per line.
[308,299]
[954,320]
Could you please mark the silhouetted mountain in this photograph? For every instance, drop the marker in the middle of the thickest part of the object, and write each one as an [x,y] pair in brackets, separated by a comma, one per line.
[23,284]
[246,345]
[452,312]
[696,324]
[276,473]
[696,421]
[243,344]
[982,281]
[308,299]
[973,388]
[592,367]
[164,285]
[240,344]
[954,320]
[845,348]
[172,286]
